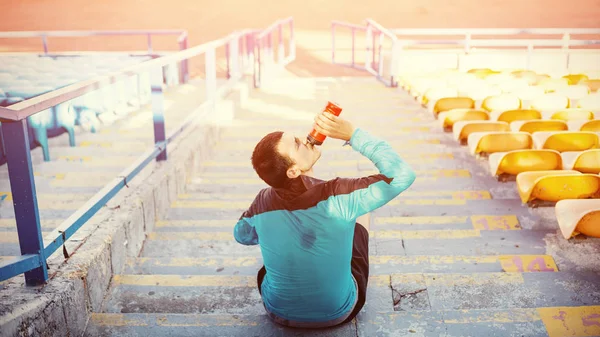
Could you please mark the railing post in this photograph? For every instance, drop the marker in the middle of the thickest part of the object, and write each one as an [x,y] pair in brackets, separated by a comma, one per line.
[158,109]
[184,74]
[566,39]
[280,47]
[45,43]
[149,41]
[271,50]
[292,41]
[22,184]
[529,52]
[333,43]
[227,60]
[256,44]
[210,76]
[353,45]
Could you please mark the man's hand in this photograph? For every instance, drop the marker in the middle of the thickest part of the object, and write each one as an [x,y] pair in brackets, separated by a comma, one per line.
[333,126]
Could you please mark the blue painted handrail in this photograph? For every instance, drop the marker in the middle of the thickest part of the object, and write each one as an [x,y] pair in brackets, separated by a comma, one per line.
[241,46]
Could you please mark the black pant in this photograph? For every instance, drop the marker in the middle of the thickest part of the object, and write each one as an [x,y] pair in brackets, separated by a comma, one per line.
[359,266]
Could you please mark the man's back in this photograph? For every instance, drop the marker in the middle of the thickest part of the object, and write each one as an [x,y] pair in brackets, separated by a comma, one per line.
[306,248]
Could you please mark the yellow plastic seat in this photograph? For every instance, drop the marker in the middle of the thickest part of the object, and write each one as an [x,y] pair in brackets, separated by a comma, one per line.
[528,94]
[479,92]
[578,216]
[463,129]
[557,185]
[553,84]
[515,115]
[584,125]
[592,84]
[563,141]
[501,102]
[491,142]
[590,102]
[450,103]
[539,125]
[587,161]
[448,118]
[575,78]
[551,102]
[573,92]
[573,114]
[515,162]
[481,72]
[513,86]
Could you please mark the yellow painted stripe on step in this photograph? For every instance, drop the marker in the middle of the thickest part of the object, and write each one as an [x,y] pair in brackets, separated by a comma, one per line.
[468,195]
[495,222]
[207,236]
[99,161]
[513,315]
[421,202]
[184,280]
[420,220]
[195,223]
[454,279]
[211,204]
[9,237]
[46,223]
[527,263]
[7,196]
[571,321]
[109,319]
[509,263]
[223,204]
[480,222]
[426,234]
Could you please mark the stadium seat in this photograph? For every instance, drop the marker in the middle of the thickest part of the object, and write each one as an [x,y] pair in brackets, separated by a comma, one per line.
[517,161]
[590,102]
[574,93]
[451,103]
[587,161]
[592,84]
[578,216]
[553,84]
[501,102]
[436,93]
[562,141]
[528,94]
[549,102]
[448,118]
[573,115]
[463,129]
[491,142]
[584,125]
[557,185]
[575,78]
[510,116]
[532,126]
[481,72]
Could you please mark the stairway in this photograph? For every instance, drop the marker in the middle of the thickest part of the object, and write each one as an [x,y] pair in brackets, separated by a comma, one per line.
[455,255]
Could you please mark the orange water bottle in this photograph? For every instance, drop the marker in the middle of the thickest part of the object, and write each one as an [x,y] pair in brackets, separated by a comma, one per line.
[316,138]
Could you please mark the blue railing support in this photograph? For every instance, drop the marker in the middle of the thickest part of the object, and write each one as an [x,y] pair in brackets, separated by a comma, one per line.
[158,109]
[22,185]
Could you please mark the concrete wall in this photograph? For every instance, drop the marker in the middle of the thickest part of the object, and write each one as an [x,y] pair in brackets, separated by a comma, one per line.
[79,284]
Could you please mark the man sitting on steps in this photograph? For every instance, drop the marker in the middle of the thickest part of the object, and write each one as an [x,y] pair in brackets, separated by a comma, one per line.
[315,254]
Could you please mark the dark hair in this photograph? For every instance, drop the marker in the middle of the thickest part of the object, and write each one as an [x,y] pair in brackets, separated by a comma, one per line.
[269,164]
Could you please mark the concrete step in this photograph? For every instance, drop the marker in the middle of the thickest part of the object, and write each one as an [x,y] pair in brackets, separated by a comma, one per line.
[548,321]
[237,294]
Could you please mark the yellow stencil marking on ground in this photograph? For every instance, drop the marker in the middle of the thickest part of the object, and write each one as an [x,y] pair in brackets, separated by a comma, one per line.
[427,234]
[571,321]
[12,223]
[195,223]
[528,263]
[203,320]
[495,222]
[197,262]
[420,220]
[106,319]
[471,195]
[209,236]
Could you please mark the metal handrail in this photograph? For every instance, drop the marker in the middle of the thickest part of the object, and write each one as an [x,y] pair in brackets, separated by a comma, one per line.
[353,28]
[33,257]
[493,31]
[374,31]
[267,48]
[44,35]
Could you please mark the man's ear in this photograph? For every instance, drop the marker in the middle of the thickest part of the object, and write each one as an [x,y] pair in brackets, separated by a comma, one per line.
[293,172]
